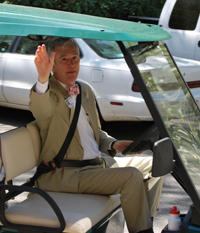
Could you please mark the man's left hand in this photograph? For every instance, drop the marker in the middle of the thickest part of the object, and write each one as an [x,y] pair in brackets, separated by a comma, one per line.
[121,146]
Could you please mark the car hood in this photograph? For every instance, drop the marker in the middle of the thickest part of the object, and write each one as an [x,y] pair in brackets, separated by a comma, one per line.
[181,62]
[114,64]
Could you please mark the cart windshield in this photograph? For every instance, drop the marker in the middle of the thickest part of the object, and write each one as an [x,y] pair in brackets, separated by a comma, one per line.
[176,105]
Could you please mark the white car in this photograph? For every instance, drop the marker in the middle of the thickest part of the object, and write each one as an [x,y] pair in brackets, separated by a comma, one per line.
[181,19]
[101,63]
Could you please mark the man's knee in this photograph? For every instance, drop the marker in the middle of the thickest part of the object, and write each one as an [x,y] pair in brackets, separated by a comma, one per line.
[133,173]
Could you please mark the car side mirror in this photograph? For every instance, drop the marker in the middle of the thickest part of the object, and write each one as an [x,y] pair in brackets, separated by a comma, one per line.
[163,162]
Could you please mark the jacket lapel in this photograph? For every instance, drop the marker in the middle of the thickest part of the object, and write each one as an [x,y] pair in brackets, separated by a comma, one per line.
[70,111]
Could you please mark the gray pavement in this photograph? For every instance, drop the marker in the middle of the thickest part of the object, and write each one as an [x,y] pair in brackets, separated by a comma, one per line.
[172,195]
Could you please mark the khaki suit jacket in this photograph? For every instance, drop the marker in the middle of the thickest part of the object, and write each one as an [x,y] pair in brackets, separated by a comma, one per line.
[53,118]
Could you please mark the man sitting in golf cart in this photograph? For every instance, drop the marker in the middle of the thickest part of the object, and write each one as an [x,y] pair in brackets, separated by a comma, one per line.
[85,168]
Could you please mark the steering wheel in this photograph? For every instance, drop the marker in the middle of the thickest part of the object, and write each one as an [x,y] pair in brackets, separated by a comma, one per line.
[144,142]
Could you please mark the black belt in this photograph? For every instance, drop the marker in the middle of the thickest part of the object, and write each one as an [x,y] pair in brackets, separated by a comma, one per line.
[80,163]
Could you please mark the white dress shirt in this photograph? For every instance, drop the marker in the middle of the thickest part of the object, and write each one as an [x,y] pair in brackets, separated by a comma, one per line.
[88,142]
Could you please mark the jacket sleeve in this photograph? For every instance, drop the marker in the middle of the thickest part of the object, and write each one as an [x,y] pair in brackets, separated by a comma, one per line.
[104,143]
[41,105]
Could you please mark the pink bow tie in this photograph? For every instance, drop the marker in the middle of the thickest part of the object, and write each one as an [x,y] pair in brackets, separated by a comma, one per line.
[73,90]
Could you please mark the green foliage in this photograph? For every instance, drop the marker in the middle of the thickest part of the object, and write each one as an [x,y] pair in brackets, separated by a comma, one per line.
[118,9]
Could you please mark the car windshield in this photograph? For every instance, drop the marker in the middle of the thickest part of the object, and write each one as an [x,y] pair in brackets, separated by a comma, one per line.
[108,49]
[176,105]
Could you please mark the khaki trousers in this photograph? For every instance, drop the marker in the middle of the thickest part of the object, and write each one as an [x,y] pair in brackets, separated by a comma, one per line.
[140,194]
[131,177]
[153,185]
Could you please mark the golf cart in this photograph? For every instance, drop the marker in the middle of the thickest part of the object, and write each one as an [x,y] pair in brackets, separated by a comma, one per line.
[174,139]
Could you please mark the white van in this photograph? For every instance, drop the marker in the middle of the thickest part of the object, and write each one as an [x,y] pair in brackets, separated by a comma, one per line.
[181,19]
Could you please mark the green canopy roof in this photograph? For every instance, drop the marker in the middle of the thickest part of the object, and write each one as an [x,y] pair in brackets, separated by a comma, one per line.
[23,21]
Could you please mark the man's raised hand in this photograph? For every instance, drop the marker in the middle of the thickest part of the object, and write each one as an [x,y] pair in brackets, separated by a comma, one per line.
[43,63]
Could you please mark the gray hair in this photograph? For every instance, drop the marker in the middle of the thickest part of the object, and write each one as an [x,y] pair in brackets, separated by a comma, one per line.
[61,42]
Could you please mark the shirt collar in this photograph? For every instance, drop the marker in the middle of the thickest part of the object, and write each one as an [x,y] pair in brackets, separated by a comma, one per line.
[64,85]
[66,88]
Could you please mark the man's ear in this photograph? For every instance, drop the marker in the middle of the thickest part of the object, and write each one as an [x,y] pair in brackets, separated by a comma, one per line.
[54,68]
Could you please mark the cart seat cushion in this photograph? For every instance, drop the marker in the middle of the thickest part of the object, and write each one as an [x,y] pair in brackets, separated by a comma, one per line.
[81,211]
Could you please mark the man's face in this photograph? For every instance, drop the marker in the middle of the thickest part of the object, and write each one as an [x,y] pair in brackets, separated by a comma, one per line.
[66,64]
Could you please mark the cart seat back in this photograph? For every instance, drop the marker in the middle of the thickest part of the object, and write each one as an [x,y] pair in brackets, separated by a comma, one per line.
[20,149]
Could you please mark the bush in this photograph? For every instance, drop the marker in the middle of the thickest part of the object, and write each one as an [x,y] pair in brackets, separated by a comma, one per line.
[118,9]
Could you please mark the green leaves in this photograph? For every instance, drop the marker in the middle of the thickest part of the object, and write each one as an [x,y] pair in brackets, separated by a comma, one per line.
[118,9]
